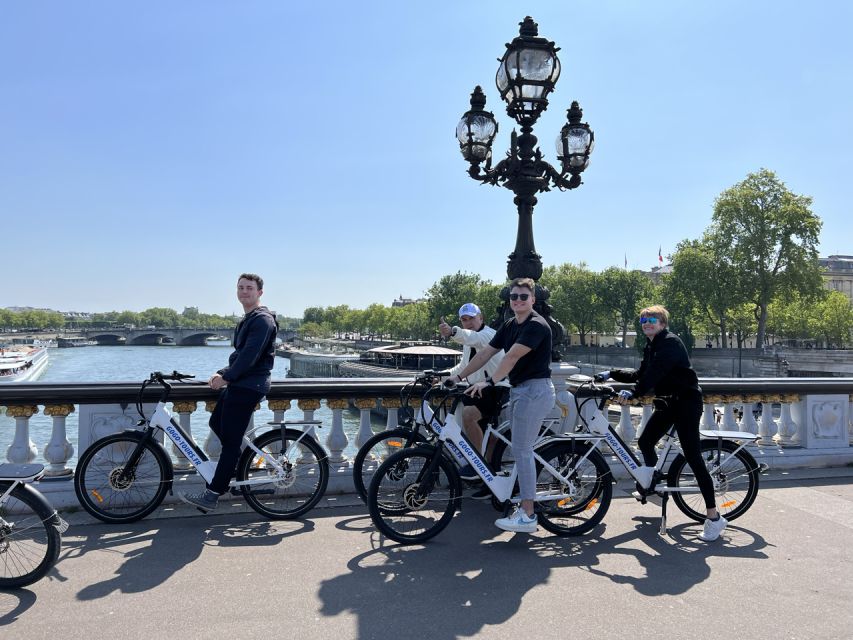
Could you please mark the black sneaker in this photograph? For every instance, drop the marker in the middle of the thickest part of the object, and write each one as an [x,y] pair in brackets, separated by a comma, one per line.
[483,493]
[467,473]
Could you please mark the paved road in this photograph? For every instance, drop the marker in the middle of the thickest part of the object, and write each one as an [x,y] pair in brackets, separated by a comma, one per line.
[784,570]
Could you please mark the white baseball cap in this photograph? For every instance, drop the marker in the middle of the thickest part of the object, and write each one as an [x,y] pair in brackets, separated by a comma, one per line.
[469,309]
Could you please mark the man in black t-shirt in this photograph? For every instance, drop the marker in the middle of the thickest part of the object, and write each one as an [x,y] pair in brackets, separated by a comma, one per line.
[526,341]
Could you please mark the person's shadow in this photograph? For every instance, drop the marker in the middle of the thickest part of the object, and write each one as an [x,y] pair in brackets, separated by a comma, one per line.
[163,547]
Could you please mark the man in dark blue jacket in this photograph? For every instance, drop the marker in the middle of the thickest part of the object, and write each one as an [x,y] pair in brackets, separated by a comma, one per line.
[243,383]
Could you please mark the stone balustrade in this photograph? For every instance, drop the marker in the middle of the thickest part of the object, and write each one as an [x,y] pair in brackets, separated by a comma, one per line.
[802,422]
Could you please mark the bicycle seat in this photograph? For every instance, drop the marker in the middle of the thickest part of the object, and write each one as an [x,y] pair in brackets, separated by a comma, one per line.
[23,472]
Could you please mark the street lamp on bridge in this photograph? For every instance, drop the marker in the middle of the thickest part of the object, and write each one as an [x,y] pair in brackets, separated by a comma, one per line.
[527,73]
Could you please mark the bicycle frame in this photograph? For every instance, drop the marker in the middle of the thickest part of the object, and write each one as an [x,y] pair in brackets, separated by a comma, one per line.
[162,419]
[450,434]
[601,429]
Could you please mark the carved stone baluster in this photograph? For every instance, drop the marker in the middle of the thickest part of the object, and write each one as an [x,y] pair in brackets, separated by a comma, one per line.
[392,405]
[184,409]
[309,406]
[212,445]
[748,423]
[767,427]
[648,410]
[278,407]
[337,440]
[729,422]
[709,420]
[364,405]
[626,427]
[789,431]
[22,449]
[59,450]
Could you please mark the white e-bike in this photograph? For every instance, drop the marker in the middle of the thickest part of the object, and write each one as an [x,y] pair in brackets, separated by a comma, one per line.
[282,473]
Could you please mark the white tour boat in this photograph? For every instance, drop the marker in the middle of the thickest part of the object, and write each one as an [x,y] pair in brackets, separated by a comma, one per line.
[21,363]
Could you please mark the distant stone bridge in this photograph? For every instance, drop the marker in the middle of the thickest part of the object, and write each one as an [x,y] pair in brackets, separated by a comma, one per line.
[157,336]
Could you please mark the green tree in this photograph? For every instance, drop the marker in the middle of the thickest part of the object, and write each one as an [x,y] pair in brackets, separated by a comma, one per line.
[450,292]
[769,237]
[575,298]
[623,294]
[835,319]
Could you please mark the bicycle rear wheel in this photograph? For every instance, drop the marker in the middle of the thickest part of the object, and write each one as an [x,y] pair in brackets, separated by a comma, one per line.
[409,504]
[735,477]
[582,500]
[114,493]
[293,490]
[375,451]
[29,538]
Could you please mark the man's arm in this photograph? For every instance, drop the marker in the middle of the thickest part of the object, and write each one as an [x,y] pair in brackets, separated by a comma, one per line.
[259,335]
[477,362]
[515,353]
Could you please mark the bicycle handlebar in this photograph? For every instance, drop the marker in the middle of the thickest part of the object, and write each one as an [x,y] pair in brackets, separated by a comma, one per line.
[158,376]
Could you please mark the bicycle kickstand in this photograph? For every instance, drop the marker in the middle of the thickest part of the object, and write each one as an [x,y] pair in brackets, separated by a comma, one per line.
[662,531]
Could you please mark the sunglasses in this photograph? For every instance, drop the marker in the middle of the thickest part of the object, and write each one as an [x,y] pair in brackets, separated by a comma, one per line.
[644,320]
[522,296]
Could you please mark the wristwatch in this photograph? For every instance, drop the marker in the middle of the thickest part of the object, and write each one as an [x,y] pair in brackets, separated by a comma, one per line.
[453,331]
[491,382]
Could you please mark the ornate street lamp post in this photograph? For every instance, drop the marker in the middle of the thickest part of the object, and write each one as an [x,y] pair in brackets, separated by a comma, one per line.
[527,73]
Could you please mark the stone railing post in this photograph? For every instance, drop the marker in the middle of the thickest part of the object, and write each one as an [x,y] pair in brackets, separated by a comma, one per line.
[308,407]
[59,450]
[789,431]
[767,427]
[337,440]
[278,408]
[184,409]
[392,405]
[747,422]
[626,427]
[648,410]
[364,405]
[729,422]
[212,445]
[709,420]
[22,449]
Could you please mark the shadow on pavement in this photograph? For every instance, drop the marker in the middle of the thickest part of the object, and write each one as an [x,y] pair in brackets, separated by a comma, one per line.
[458,583]
[159,548]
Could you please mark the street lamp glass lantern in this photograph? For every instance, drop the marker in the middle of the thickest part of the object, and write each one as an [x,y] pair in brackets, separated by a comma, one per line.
[476,130]
[575,142]
[527,73]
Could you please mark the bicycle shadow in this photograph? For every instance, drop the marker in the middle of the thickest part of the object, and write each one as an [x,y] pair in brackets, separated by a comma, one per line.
[674,563]
[14,603]
[477,581]
[157,553]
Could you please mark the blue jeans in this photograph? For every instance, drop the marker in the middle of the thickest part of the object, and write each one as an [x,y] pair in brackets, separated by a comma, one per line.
[529,403]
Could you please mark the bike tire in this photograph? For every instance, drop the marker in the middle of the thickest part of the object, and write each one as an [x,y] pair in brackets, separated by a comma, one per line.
[29,537]
[298,488]
[590,480]
[105,496]
[375,451]
[392,496]
[735,482]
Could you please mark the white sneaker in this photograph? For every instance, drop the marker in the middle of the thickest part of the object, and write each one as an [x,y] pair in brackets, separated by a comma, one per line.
[644,476]
[713,529]
[519,522]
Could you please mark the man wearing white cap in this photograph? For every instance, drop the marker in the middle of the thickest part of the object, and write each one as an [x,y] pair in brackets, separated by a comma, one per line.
[474,334]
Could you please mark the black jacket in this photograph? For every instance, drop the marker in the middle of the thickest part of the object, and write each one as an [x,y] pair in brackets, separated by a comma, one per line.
[251,363]
[665,368]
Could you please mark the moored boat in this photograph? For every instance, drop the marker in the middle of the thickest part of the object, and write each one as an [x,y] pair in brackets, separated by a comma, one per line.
[21,363]
[64,343]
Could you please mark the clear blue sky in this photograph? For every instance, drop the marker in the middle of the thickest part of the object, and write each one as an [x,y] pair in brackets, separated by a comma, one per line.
[151,151]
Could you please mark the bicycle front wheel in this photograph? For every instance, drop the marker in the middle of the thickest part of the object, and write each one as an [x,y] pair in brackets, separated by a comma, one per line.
[735,478]
[409,504]
[292,486]
[375,451]
[112,491]
[29,538]
[582,493]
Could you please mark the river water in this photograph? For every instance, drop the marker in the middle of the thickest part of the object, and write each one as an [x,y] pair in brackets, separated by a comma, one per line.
[133,364]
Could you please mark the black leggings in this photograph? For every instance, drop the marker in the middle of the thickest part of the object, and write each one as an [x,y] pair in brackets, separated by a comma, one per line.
[685,413]
[229,421]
